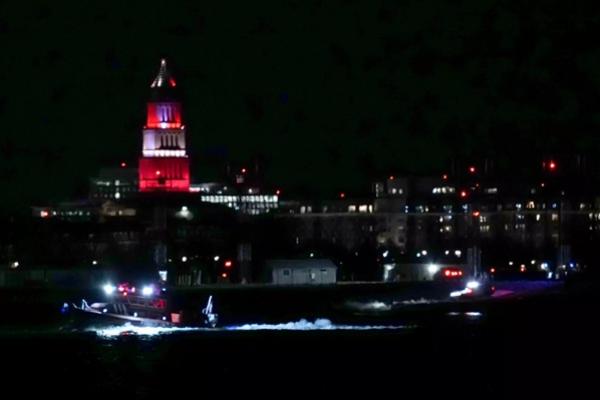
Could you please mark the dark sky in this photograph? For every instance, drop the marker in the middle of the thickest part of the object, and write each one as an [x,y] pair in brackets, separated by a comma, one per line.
[329,93]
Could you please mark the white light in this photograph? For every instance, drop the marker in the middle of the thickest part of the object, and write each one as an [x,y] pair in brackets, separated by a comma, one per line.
[216,258]
[424,252]
[135,314]
[447,252]
[544,266]
[385,253]
[15,264]
[164,318]
[418,254]
[162,275]
[472,284]
[457,253]
[104,310]
[532,262]
[147,290]
[433,268]
[184,259]
[117,195]
[94,262]
[184,209]
[109,289]
[312,255]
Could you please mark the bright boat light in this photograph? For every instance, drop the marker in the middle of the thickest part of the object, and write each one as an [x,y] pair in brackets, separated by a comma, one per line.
[472,284]
[147,290]
[109,289]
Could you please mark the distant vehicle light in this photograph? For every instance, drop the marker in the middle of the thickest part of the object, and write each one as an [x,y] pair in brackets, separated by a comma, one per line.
[452,272]
[433,268]
[228,264]
[492,270]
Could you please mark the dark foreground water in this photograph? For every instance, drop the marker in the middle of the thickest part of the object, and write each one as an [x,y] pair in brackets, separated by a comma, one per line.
[545,345]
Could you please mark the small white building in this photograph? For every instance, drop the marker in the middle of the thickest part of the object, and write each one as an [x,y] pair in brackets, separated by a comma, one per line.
[302,272]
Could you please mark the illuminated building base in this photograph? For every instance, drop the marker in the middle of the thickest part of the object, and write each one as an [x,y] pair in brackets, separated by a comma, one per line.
[166,174]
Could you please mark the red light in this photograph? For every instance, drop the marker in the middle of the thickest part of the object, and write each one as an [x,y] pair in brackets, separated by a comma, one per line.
[172,82]
[391,177]
[523,269]
[342,195]
[445,177]
[452,272]
[542,184]
[224,275]
[157,173]
[44,214]
[492,270]
[278,192]
[123,165]
[228,264]
[463,193]
[472,169]
[243,170]
[476,213]
[552,165]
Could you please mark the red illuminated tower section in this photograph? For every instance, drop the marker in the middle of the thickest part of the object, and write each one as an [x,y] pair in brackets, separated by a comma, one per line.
[164,164]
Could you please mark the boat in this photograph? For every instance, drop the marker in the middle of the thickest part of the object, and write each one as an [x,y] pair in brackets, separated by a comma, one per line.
[148,307]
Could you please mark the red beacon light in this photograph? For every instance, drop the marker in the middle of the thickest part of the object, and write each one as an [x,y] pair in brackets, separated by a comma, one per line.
[123,164]
[472,169]
[228,263]
[342,195]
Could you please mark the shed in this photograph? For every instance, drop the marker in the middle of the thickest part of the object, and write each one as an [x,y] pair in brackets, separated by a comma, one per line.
[302,272]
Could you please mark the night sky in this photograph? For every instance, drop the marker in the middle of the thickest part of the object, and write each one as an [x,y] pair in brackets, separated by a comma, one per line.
[328,93]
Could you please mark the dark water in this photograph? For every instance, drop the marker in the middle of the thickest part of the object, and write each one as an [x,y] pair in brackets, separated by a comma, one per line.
[521,348]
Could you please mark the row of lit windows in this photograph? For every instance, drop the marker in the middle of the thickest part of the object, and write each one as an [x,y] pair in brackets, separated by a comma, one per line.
[443,190]
[242,199]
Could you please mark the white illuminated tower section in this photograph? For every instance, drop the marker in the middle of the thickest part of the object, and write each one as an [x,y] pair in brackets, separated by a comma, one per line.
[164,164]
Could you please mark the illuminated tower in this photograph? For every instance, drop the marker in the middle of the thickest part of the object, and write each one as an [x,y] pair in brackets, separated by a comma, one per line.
[164,164]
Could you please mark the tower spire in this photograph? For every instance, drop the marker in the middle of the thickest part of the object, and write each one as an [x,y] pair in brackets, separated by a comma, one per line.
[164,78]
